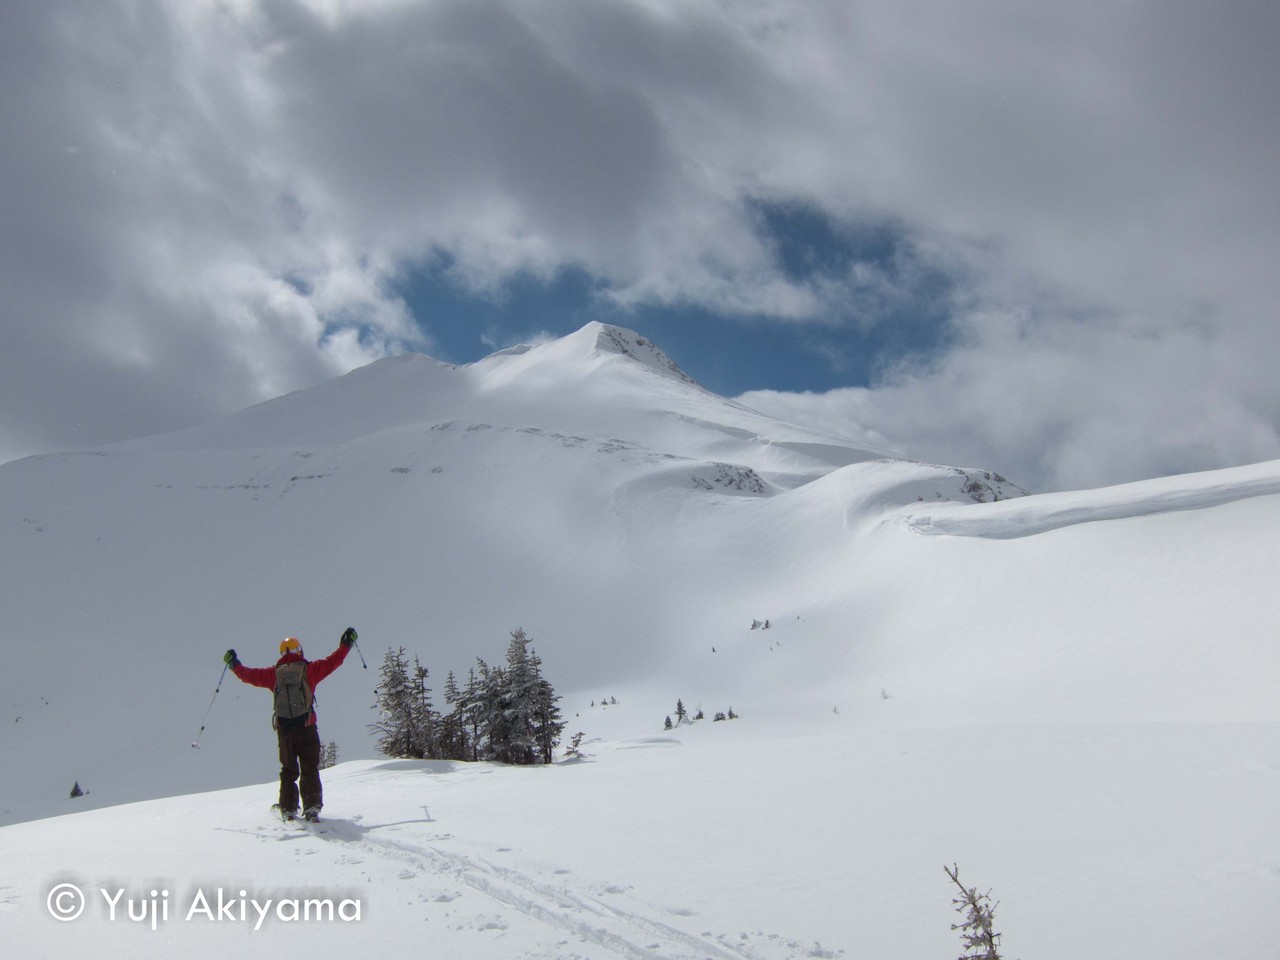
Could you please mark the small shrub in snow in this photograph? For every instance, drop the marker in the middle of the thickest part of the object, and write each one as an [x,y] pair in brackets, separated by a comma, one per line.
[574,750]
[977,931]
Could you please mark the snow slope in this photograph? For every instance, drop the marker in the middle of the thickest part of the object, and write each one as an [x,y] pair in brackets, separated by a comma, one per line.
[581,489]
[723,840]
[1073,696]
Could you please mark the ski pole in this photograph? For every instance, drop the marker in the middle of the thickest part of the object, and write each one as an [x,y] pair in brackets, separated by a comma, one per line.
[196,742]
[356,644]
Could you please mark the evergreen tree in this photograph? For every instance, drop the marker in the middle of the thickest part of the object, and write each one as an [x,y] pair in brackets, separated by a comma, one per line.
[423,720]
[407,721]
[509,713]
[574,752]
[75,790]
[487,718]
[394,694]
[516,699]
[407,724]
[329,756]
[473,707]
[547,722]
[682,715]
[453,731]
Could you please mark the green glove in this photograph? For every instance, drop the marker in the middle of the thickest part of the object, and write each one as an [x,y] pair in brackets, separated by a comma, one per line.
[349,636]
[230,658]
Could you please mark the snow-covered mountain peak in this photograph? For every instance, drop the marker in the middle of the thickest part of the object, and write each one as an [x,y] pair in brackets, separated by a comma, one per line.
[588,352]
[602,383]
[619,341]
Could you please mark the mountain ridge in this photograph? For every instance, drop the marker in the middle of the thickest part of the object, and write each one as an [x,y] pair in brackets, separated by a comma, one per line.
[599,381]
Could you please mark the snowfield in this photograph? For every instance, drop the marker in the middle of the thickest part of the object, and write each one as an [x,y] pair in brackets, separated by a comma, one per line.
[1075,697]
[721,840]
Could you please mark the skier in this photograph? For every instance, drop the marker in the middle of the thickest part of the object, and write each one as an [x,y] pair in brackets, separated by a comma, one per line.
[293,679]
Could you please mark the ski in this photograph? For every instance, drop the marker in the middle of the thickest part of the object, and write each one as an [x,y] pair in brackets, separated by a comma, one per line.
[304,819]
[287,816]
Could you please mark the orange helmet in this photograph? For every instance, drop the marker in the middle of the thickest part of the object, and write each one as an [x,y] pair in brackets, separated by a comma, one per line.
[290,645]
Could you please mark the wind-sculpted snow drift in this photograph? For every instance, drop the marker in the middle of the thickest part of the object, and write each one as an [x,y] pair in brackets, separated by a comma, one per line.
[1026,518]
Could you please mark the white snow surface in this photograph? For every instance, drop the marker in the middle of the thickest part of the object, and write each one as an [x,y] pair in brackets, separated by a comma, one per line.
[1074,697]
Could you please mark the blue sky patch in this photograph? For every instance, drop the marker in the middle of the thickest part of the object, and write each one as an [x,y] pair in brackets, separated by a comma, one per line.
[884,304]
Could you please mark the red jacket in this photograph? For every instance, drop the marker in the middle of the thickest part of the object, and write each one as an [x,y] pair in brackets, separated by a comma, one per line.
[317,670]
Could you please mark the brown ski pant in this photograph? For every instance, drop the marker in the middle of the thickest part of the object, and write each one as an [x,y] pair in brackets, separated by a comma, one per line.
[300,757]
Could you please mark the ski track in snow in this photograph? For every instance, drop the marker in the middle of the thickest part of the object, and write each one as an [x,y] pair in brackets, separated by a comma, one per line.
[629,931]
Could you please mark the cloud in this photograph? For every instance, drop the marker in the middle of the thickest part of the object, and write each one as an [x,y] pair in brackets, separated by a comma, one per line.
[1097,179]
[1057,405]
[212,202]
[146,253]
[202,196]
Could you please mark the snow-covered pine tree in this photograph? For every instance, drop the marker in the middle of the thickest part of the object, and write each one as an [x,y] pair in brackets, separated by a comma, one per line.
[329,756]
[509,714]
[516,698]
[547,722]
[407,720]
[453,729]
[489,718]
[473,708]
[394,696]
[423,715]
